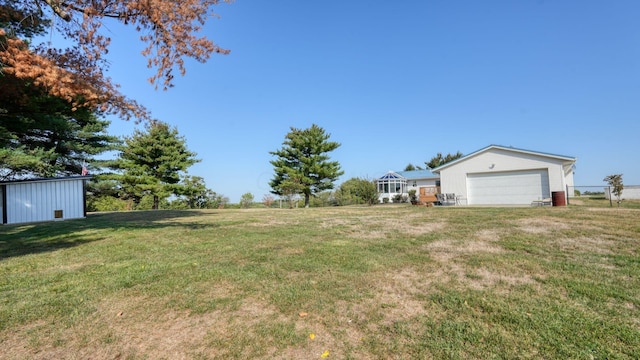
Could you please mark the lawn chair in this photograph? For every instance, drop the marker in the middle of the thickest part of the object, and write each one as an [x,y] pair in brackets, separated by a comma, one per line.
[543,202]
[450,199]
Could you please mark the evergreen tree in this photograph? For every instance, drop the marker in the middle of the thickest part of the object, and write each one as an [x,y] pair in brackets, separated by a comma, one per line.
[411,167]
[302,164]
[153,163]
[42,135]
[440,160]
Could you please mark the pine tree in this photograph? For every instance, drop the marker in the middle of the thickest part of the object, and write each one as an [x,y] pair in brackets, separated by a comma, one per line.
[153,162]
[42,136]
[302,164]
[439,160]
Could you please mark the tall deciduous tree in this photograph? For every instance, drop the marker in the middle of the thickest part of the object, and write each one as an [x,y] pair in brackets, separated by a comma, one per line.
[153,162]
[440,160]
[169,29]
[302,164]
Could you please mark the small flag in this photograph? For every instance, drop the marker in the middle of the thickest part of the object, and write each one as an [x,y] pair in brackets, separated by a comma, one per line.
[84,169]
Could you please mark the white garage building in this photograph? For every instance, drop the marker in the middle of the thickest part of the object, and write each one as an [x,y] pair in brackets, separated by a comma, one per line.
[500,175]
[47,199]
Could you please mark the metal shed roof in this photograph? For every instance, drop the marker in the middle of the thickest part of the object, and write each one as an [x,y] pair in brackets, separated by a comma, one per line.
[569,159]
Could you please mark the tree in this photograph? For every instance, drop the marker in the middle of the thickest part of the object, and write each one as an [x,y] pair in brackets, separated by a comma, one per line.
[42,136]
[289,189]
[322,199]
[302,164]
[615,181]
[411,167]
[153,163]
[246,200]
[357,191]
[196,195]
[268,200]
[168,28]
[439,160]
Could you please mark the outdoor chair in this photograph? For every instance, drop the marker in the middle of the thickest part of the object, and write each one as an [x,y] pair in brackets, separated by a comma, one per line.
[543,202]
[450,199]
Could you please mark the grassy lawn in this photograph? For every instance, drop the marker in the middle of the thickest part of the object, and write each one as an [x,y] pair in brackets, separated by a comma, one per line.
[383,282]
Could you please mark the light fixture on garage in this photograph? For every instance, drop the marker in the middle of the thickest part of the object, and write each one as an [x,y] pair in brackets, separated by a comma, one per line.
[492,166]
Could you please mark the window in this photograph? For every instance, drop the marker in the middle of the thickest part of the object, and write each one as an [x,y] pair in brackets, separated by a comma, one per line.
[392,183]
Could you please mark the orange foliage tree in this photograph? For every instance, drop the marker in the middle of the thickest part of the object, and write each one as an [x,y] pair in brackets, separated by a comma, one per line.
[170,29]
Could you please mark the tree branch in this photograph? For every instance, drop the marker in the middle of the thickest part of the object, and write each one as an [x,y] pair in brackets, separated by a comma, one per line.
[55,6]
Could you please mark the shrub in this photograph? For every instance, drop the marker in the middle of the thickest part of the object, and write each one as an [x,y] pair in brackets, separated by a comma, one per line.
[106,203]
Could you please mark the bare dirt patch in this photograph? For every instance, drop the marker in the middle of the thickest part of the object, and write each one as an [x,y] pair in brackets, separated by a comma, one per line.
[541,225]
[396,291]
[585,244]
[375,227]
[452,255]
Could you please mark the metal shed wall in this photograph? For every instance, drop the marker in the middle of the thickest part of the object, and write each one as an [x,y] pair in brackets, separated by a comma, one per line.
[34,201]
[454,178]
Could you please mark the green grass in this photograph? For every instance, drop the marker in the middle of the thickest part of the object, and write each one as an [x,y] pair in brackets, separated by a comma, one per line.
[369,283]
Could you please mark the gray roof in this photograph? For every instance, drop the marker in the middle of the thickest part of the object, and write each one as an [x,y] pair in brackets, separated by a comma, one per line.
[65,178]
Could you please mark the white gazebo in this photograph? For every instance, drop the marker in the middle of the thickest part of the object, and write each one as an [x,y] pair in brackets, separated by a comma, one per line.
[390,185]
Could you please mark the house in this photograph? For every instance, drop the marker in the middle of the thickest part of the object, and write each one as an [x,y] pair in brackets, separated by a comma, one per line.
[24,201]
[501,175]
[400,183]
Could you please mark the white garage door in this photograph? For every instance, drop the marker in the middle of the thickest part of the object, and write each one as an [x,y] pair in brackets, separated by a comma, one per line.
[508,188]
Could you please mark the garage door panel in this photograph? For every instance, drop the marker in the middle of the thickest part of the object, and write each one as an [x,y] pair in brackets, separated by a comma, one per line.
[507,188]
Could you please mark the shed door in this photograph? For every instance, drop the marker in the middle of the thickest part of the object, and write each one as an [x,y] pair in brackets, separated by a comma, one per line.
[508,188]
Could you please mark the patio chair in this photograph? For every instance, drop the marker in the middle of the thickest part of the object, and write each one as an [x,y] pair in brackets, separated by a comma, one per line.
[450,199]
[543,202]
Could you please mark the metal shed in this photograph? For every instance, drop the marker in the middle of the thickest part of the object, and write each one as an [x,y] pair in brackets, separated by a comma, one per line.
[48,199]
[501,175]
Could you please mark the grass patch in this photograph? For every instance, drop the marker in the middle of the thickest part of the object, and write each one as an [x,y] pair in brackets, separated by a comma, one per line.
[367,282]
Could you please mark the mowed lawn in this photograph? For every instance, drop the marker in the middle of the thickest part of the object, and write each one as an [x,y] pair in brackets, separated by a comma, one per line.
[382,282]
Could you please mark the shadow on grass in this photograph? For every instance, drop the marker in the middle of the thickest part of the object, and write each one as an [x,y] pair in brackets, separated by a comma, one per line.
[24,239]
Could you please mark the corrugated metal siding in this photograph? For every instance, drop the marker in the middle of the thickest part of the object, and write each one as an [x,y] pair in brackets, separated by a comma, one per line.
[454,177]
[37,201]
[3,214]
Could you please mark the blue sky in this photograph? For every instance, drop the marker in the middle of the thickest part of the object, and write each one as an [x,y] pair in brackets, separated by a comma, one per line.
[397,82]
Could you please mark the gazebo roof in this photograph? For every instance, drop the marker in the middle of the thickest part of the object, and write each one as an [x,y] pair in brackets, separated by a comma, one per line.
[391,175]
